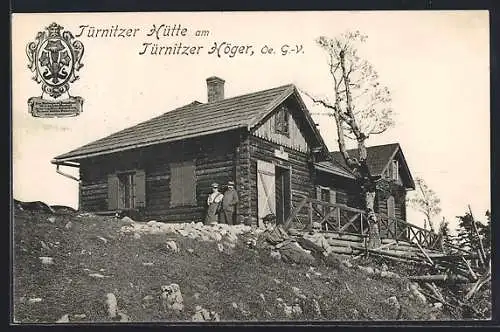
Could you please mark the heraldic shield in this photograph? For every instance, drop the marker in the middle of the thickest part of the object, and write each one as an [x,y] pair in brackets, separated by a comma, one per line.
[54,60]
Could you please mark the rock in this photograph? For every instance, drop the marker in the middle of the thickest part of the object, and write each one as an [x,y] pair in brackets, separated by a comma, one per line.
[196,295]
[438,305]
[47,260]
[103,239]
[262,297]
[316,308]
[366,269]
[123,317]
[80,316]
[147,298]
[51,219]
[151,223]
[288,310]
[384,267]
[393,300]
[298,293]
[35,300]
[97,275]
[203,315]
[44,246]
[231,237]
[111,305]
[68,225]
[148,263]
[296,309]
[191,250]
[216,236]
[172,245]
[137,236]
[414,289]
[276,255]
[220,247]
[63,319]
[277,281]
[171,298]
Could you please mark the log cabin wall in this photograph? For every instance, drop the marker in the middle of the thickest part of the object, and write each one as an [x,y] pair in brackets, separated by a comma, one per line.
[214,158]
[346,190]
[302,181]
[399,195]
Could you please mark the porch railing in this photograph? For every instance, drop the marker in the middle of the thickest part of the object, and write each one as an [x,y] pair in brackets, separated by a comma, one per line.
[329,217]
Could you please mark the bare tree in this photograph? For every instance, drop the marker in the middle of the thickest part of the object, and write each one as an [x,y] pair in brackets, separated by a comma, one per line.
[361,108]
[425,200]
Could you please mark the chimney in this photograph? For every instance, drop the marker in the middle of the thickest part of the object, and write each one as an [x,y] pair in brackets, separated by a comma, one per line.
[215,89]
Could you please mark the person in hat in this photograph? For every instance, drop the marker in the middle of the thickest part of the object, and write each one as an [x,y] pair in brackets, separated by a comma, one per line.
[229,202]
[214,202]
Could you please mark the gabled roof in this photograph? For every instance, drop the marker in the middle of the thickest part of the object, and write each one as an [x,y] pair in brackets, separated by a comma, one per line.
[378,159]
[195,119]
[333,168]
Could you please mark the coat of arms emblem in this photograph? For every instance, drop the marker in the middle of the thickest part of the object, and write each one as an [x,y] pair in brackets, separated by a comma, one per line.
[55,59]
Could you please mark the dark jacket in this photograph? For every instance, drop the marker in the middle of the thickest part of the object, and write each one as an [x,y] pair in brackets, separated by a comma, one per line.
[230,200]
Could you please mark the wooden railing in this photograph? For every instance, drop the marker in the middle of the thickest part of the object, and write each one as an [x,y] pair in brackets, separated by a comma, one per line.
[340,218]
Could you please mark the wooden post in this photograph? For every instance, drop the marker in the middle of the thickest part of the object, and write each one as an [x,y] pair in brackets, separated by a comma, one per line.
[338,218]
[310,216]
[361,223]
[396,229]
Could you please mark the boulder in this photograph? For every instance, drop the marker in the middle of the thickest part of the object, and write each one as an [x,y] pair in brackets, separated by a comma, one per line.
[298,292]
[63,319]
[171,298]
[172,245]
[127,220]
[47,260]
[111,305]
[202,315]
[276,255]
[292,252]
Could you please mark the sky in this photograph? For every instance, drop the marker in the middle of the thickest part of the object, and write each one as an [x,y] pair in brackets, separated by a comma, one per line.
[436,64]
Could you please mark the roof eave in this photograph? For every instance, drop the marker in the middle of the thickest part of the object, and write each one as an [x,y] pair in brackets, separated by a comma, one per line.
[332,171]
[77,157]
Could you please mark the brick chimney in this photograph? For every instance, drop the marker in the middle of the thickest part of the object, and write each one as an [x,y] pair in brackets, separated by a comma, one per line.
[215,89]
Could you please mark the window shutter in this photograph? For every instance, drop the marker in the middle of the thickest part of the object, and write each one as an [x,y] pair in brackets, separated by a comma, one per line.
[112,192]
[333,196]
[175,186]
[189,184]
[140,189]
[182,184]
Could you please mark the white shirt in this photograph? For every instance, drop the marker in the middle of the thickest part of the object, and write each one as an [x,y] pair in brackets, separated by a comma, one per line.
[214,197]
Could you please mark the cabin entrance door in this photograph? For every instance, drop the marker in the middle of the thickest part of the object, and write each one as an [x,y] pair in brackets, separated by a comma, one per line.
[266,190]
[283,194]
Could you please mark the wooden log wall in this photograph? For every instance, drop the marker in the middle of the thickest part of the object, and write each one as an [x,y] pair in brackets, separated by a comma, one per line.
[214,158]
[301,173]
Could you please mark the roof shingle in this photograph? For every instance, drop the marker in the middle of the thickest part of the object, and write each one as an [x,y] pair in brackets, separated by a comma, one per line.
[191,120]
[377,157]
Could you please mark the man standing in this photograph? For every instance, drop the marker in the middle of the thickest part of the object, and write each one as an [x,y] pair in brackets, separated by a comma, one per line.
[229,202]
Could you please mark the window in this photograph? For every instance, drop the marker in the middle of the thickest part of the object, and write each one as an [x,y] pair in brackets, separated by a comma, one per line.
[326,194]
[127,190]
[182,184]
[282,122]
[395,170]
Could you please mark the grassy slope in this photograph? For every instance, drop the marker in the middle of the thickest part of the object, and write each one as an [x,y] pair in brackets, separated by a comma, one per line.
[219,278]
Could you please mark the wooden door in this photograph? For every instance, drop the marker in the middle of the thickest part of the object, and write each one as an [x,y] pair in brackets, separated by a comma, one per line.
[266,190]
[283,194]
